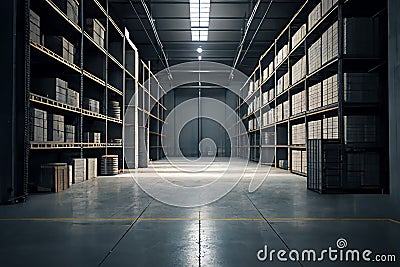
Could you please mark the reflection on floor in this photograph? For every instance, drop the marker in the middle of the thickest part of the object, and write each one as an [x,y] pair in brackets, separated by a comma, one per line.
[110,221]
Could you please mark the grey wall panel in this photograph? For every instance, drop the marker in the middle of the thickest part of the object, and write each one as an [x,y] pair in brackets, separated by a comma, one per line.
[394,97]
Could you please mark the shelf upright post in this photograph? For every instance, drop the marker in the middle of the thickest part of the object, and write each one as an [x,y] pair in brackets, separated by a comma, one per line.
[123,99]
[106,73]
[80,124]
[343,158]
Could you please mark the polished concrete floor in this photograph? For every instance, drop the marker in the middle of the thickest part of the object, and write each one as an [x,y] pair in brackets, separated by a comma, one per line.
[110,221]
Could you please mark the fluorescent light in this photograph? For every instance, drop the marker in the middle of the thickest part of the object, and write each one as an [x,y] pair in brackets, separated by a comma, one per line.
[199,19]
[199,50]
[199,57]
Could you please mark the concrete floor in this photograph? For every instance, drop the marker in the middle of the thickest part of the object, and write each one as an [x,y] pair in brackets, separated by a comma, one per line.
[110,221]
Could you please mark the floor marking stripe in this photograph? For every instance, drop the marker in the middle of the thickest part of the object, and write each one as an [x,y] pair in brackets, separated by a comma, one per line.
[202,219]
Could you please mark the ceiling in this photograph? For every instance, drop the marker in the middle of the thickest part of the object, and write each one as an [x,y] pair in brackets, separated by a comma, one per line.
[228,19]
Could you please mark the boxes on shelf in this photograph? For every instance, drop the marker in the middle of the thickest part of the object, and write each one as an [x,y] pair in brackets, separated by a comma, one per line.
[34,27]
[282,83]
[286,110]
[72,98]
[114,109]
[60,46]
[296,161]
[271,68]
[70,175]
[268,138]
[299,103]
[299,35]
[70,8]
[314,56]
[361,87]
[299,134]
[330,90]
[70,133]
[330,128]
[53,88]
[282,54]
[330,43]
[279,112]
[91,168]
[360,129]
[283,164]
[91,105]
[315,130]
[304,161]
[109,165]
[91,137]
[363,31]
[79,170]
[55,128]
[326,5]
[39,125]
[116,141]
[265,97]
[314,96]
[265,74]
[299,70]
[96,30]
[53,177]
[314,16]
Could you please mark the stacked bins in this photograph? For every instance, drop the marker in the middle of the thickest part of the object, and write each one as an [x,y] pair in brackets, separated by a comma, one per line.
[53,177]
[314,56]
[330,91]
[314,16]
[55,128]
[91,168]
[60,46]
[96,30]
[361,31]
[70,133]
[34,27]
[91,105]
[299,161]
[72,98]
[109,165]
[70,8]
[39,125]
[299,35]
[299,134]
[114,110]
[299,70]
[79,170]
[299,103]
[361,87]
[330,44]
[90,137]
[315,96]
[53,88]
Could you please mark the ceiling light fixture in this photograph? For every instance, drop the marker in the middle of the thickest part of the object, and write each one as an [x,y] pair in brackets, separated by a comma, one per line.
[199,19]
[199,50]
[199,57]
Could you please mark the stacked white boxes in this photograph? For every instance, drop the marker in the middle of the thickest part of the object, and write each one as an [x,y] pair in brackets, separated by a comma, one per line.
[271,68]
[70,8]
[330,43]
[39,125]
[251,88]
[265,97]
[91,104]
[360,129]
[34,27]
[299,103]
[326,5]
[109,165]
[268,117]
[53,177]
[361,31]
[55,128]
[96,30]
[79,170]
[330,90]
[279,112]
[299,35]
[314,16]
[72,98]
[60,46]
[299,161]
[282,83]
[361,87]
[91,168]
[257,102]
[299,70]
[70,133]
[315,130]
[304,161]
[282,54]
[314,96]
[330,128]
[299,134]
[53,88]
[265,74]
[314,56]
[91,137]
[268,138]
[114,110]
[286,110]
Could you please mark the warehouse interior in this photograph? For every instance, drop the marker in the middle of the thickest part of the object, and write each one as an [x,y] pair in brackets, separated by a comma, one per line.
[200,132]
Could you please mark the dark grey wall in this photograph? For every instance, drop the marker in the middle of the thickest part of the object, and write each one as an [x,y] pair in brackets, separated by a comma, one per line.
[394,97]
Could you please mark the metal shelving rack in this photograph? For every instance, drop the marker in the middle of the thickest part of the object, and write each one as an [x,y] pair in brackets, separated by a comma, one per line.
[112,72]
[328,174]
